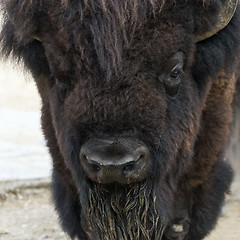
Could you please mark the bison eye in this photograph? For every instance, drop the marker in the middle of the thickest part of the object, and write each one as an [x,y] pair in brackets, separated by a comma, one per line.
[172,73]
[176,74]
[172,82]
[62,89]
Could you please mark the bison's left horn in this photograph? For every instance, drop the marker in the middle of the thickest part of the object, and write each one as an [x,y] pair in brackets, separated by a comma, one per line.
[224,17]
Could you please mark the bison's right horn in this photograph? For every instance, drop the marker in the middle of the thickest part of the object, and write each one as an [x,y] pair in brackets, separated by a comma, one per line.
[224,17]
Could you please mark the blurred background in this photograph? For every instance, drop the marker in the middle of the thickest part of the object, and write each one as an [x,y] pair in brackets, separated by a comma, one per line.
[23,154]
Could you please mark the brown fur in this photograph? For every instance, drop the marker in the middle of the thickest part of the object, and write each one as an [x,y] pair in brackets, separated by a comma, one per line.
[101,69]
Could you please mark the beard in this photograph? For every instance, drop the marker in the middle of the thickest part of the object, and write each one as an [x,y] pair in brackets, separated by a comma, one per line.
[129,212]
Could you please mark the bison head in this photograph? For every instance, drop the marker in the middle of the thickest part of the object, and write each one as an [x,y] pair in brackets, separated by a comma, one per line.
[122,99]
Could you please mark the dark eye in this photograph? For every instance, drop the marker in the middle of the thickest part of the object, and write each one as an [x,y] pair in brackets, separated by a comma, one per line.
[172,73]
[62,89]
[172,82]
[176,74]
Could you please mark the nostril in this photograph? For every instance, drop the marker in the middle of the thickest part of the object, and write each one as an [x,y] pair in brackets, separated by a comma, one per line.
[108,161]
[129,168]
[95,168]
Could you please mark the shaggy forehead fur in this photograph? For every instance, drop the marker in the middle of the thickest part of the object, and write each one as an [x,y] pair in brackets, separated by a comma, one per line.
[100,30]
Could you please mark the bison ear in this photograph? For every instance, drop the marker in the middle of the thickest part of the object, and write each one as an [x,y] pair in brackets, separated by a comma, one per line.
[208,23]
[22,16]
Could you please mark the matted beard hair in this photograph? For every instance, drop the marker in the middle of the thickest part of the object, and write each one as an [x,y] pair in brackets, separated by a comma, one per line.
[123,213]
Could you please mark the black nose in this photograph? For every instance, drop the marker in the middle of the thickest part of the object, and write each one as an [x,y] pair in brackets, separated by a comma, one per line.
[115,160]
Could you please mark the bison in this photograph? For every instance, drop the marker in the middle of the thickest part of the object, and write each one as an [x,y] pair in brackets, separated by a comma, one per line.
[136,109]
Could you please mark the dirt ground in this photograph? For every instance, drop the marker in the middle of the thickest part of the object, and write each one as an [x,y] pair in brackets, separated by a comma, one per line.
[30,215]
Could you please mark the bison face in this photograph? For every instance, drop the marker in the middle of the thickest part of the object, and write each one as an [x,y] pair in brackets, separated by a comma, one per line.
[125,137]
[122,99]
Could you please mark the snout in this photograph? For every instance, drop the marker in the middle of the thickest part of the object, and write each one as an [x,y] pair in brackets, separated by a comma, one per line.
[121,161]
